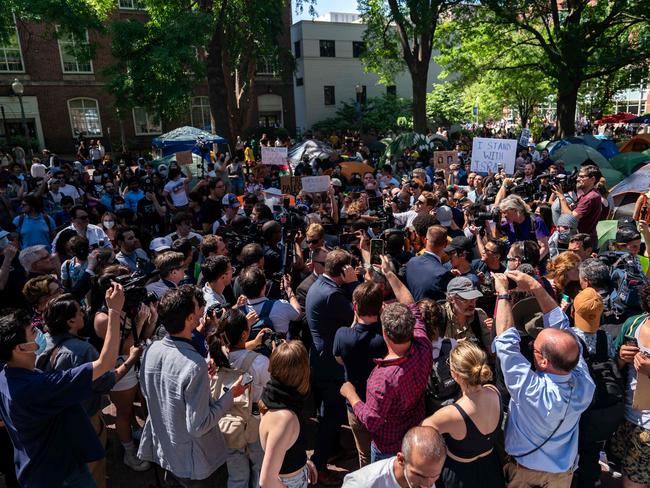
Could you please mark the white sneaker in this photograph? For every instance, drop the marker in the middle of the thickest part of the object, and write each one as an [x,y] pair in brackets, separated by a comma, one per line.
[132,461]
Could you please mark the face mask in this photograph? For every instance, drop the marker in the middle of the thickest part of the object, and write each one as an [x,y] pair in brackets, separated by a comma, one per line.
[109,224]
[564,236]
[40,341]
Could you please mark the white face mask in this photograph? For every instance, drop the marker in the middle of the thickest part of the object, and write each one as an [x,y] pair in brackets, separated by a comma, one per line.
[109,224]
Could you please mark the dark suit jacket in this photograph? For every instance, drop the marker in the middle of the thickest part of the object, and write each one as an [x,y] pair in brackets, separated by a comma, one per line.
[426,277]
[303,288]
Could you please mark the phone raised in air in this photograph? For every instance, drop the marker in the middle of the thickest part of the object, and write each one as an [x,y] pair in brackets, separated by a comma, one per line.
[376,250]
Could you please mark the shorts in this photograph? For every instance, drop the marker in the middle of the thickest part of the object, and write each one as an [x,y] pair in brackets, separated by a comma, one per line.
[298,480]
[129,380]
[630,446]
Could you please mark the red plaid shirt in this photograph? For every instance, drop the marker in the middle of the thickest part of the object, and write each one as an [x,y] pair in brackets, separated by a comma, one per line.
[395,395]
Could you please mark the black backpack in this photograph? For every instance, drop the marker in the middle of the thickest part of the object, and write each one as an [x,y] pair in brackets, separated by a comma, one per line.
[627,280]
[441,389]
[607,407]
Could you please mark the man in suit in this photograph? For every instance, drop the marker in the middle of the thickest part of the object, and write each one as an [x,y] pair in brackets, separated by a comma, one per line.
[316,264]
[425,274]
[328,307]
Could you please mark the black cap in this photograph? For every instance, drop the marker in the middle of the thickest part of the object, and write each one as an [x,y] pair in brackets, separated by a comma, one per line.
[460,243]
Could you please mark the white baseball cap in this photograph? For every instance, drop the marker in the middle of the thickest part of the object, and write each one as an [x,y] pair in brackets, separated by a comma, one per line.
[159,244]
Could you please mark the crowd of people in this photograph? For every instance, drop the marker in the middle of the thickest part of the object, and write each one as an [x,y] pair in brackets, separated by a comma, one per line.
[469,329]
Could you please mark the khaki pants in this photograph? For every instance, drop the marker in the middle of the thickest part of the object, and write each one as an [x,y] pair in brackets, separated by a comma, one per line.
[518,476]
[98,468]
[362,439]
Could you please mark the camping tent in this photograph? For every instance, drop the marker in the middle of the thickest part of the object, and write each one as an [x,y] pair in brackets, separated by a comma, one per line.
[574,155]
[628,162]
[637,182]
[638,143]
[311,148]
[185,139]
[606,147]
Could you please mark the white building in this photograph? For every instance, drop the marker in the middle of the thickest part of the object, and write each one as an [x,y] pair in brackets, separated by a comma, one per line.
[329,68]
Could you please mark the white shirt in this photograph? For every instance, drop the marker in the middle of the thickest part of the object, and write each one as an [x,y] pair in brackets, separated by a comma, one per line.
[38,170]
[71,191]
[376,475]
[94,234]
[405,219]
[176,190]
[281,314]
[259,370]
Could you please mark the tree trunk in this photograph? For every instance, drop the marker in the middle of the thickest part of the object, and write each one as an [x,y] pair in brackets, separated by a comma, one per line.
[419,82]
[217,88]
[567,101]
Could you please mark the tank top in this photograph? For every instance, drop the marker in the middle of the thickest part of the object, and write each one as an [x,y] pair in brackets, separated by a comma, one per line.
[295,457]
[475,442]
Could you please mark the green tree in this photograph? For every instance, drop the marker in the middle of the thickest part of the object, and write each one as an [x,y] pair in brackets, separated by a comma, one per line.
[400,34]
[445,105]
[578,40]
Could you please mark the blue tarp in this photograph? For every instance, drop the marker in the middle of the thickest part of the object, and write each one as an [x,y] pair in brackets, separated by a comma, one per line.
[184,139]
[606,147]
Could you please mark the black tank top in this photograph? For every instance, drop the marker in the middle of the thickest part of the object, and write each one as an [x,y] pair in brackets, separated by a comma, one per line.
[295,457]
[475,443]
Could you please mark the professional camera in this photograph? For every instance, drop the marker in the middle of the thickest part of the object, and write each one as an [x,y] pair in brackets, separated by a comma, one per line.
[271,338]
[135,292]
[479,216]
[490,193]
[524,189]
[566,183]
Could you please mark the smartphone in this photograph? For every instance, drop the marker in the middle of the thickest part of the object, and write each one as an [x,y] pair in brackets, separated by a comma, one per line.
[376,250]
[248,379]
[348,238]
[630,341]
[565,298]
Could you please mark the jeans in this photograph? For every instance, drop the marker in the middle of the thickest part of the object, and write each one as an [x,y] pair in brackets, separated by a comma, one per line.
[244,466]
[331,415]
[218,479]
[299,480]
[376,454]
[80,478]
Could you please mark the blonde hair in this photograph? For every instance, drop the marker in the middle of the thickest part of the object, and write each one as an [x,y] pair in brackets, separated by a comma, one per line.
[559,268]
[315,231]
[470,363]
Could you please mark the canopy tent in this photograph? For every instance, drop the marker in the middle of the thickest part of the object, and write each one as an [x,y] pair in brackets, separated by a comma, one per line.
[574,155]
[311,148]
[616,118]
[628,162]
[638,143]
[185,139]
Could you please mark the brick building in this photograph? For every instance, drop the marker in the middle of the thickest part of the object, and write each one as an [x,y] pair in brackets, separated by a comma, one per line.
[64,95]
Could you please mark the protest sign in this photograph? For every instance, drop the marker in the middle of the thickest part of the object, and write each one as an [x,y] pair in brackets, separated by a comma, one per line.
[443,159]
[488,153]
[524,137]
[274,155]
[184,158]
[290,185]
[315,184]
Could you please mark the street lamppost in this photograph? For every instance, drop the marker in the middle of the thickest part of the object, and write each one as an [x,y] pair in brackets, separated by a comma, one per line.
[359,90]
[18,89]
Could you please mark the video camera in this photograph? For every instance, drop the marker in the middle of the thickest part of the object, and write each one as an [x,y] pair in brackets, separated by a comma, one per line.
[135,292]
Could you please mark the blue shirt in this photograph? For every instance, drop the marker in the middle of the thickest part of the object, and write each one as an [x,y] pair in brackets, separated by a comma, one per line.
[540,400]
[51,433]
[34,231]
[131,199]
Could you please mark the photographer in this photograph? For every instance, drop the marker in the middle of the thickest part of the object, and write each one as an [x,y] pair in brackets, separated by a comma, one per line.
[520,225]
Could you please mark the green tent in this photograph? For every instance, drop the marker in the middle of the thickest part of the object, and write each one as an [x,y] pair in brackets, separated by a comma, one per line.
[606,230]
[542,145]
[628,162]
[573,155]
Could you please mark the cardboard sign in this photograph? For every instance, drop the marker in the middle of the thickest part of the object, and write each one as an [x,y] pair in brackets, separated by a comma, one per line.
[524,137]
[443,159]
[315,184]
[488,153]
[290,185]
[184,158]
[274,155]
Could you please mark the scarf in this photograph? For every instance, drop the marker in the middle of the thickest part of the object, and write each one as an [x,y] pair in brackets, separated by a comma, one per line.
[278,396]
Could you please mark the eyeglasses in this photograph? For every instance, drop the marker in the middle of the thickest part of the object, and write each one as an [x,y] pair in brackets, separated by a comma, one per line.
[582,177]
[513,258]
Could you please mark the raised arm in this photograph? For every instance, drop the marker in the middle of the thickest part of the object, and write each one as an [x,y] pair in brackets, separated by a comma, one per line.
[402,293]
[110,349]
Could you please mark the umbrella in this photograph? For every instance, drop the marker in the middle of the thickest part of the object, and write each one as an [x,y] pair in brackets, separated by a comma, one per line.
[574,155]
[628,162]
[641,119]
[606,230]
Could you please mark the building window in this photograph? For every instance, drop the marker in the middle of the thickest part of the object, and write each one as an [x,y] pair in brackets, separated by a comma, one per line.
[296,49]
[130,4]
[200,113]
[328,92]
[358,48]
[11,59]
[267,66]
[391,90]
[84,117]
[327,49]
[74,52]
[145,123]
[300,81]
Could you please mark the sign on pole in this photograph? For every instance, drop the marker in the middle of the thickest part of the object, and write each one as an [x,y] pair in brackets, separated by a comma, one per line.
[488,153]
[184,158]
[315,184]
[274,155]
[524,137]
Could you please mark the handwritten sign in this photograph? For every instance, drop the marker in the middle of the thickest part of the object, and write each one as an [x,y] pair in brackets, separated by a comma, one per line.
[274,155]
[488,153]
[524,137]
[443,159]
[184,158]
[290,185]
[315,184]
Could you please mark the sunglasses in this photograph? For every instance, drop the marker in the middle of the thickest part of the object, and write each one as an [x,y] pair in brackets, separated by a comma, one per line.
[312,241]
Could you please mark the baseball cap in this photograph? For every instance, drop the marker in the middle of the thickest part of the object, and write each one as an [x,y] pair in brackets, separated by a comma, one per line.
[159,244]
[527,316]
[3,233]
[444,215]
[336,182]
[588,308]
[464,288]
[460,243]
[230,200]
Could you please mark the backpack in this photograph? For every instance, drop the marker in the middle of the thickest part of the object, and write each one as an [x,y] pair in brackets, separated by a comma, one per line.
[627,280]
[264,321]
[239,425]
[441,389]
[607,408]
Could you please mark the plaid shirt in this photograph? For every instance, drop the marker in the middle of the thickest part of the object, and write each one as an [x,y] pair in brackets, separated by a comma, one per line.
[395,394]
